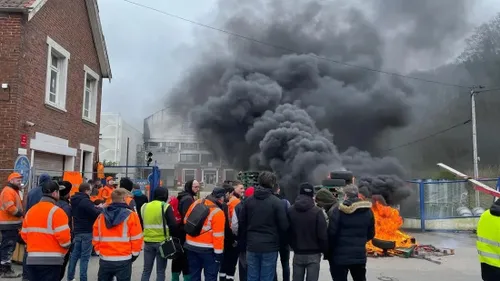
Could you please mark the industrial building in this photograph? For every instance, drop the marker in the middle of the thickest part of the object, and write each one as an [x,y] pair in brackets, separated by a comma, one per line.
[178,152]
[114,134]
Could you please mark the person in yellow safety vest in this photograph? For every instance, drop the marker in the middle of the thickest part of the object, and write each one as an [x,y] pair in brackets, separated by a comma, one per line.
[488,243]
[11,218]
[159,224]
[205,251]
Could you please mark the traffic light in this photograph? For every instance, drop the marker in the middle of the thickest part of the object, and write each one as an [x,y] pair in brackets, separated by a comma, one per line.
[149,158]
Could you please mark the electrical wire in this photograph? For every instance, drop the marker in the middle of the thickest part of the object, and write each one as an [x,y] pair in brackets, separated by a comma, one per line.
[295,51]
[428,136]
[253,40]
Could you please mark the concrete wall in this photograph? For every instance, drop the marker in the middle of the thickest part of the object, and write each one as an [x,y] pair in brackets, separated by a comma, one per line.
[449,224]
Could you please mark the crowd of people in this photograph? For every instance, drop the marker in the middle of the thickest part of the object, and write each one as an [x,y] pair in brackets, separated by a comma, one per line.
[232,227]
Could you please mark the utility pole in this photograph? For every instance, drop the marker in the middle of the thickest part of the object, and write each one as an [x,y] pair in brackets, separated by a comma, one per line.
[474,138]
[126,158]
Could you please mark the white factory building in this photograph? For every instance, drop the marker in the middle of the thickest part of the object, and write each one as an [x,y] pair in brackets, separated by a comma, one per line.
[179,154]
[114,133]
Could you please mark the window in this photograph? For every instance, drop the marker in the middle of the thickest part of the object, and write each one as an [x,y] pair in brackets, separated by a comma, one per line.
[57,75]
[172,144]
[153,144]
[90,95]
[207,158]
[203,146]
[189,175]
[189,146]
[190,158]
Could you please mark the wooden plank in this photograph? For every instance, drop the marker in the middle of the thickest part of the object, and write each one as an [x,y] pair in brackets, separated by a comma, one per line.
[479,186]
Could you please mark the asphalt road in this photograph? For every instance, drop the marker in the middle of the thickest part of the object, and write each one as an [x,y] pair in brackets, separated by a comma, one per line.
[463,266]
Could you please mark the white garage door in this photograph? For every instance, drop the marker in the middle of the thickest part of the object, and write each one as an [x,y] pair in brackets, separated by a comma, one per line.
[52,164]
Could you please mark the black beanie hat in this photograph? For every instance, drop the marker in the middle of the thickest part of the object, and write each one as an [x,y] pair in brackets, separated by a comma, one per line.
[126,183]
[307,189]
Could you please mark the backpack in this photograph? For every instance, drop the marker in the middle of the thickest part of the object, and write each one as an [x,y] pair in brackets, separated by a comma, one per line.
[196,219]
[174,202]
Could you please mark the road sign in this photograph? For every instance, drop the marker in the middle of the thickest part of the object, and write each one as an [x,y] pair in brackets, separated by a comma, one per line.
[22,166]
[142,183]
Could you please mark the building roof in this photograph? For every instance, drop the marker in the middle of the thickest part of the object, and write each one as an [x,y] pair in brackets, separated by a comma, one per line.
[27,6]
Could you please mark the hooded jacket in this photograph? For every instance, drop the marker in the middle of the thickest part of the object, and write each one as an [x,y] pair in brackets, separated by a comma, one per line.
[36,194]
[115,214]
[263,221]
[117,220]
[84,213]
[313,238]
[186,198]
[352,225]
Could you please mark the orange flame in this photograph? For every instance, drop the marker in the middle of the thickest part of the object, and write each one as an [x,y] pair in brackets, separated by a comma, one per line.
[387,225]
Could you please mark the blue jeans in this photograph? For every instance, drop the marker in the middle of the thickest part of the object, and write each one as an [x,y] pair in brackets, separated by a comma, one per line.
[152,252]
[82,248]
[205,261]
[261,266]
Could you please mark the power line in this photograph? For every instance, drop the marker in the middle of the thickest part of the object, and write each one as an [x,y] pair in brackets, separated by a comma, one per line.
[295,51]
[428,137]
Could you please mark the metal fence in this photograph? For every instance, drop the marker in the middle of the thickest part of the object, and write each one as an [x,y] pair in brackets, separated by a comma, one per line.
[446,199]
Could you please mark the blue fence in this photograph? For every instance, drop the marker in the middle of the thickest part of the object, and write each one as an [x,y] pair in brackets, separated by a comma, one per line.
[445,199]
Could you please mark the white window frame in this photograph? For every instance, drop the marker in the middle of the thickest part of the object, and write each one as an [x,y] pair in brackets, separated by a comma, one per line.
[62,79]
[93,95]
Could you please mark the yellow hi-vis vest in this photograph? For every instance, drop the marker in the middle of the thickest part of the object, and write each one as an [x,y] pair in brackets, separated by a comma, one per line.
[152,218]
[488,239]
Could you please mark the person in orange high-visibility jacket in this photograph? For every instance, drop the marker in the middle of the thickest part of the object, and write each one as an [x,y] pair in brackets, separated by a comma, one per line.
[127,184]
[47,236]
[11,213]
[231,249]
[205,251]
[117,238]
[105,192]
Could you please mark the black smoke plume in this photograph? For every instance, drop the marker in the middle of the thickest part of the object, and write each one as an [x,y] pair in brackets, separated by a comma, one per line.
[260,107]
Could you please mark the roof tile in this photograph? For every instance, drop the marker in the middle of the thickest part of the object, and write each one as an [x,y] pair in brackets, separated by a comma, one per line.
[15,3]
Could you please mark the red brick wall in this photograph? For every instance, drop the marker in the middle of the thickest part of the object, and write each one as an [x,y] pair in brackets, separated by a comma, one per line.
[10,54]
[67,23]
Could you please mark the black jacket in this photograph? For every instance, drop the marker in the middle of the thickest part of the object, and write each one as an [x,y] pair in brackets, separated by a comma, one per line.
[263,219]
[352,225]
[185,198]
[64,204]
[84,213]
[308,227]
[139,201]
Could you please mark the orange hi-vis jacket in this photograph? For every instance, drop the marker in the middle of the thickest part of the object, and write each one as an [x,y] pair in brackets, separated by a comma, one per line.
[129,200]
[120,242]
[46,233]
[11,209]
[212,233]
[233,202]
[105,193]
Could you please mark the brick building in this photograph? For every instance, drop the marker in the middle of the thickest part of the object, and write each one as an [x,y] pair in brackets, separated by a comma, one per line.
[53,60]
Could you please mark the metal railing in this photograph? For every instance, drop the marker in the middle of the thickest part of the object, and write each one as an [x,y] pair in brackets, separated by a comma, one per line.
[446,199]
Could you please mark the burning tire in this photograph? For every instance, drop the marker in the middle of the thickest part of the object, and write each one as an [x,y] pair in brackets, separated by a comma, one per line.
[384,244]
[333,182]
[343,175]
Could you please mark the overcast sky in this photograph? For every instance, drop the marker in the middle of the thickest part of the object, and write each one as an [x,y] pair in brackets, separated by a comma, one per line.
[148,51]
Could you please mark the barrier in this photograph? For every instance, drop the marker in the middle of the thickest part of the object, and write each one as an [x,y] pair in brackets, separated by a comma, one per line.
[445,205]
